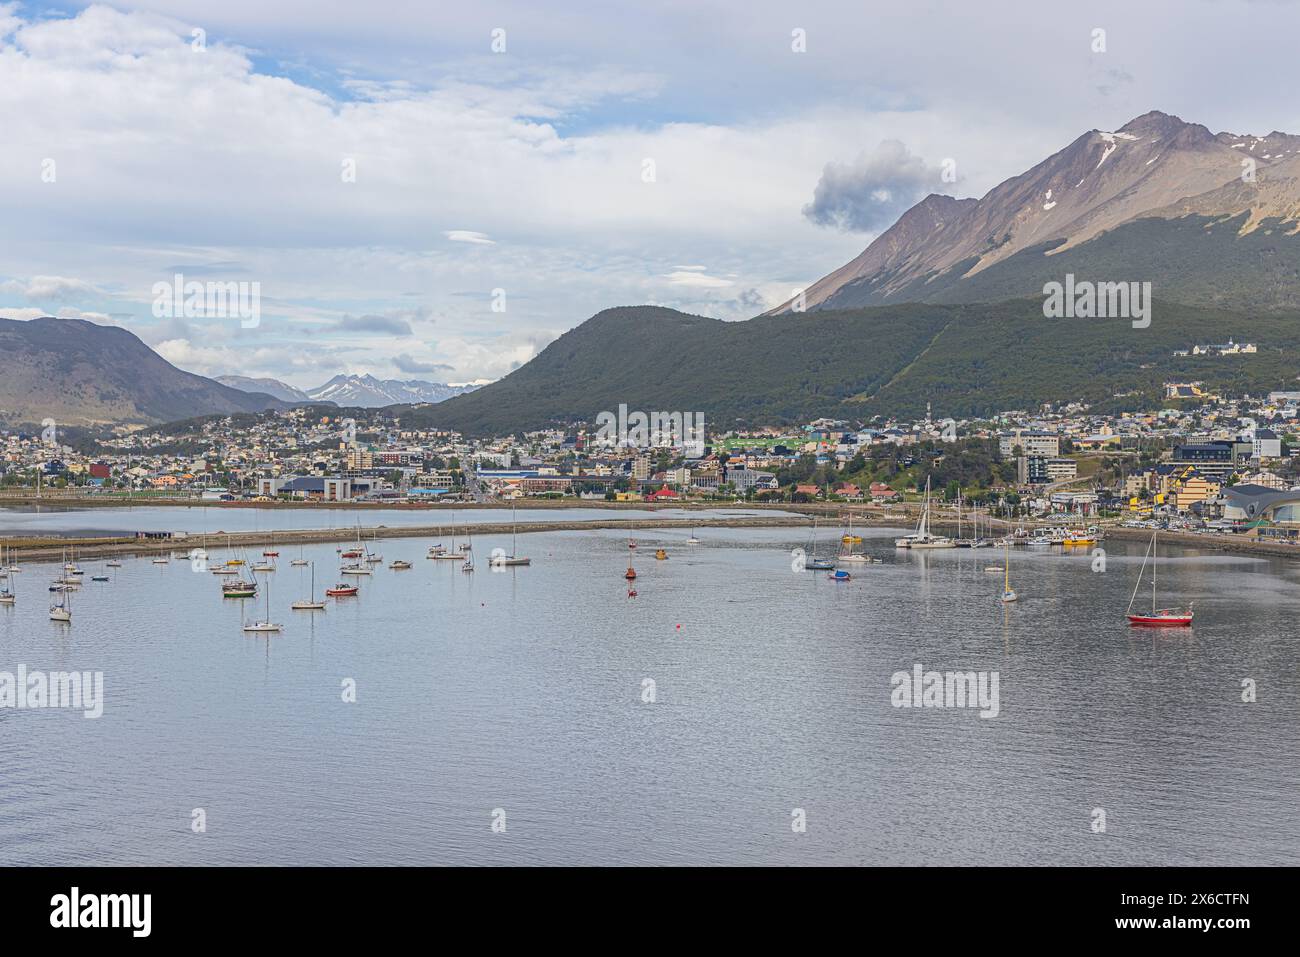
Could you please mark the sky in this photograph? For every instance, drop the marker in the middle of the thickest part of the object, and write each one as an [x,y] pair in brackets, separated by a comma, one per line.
[423,190]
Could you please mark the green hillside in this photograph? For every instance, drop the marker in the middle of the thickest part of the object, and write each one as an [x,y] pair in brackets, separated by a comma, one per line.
[965,360]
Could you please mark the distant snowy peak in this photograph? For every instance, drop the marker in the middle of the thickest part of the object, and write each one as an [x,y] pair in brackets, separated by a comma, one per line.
[368,392]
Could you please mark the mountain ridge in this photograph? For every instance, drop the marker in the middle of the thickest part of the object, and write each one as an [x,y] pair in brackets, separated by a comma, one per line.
[77,372]
[1156,166]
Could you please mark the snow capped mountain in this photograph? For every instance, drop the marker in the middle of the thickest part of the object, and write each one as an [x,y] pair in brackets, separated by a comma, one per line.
[272,387]
[1155,166]
[368,392]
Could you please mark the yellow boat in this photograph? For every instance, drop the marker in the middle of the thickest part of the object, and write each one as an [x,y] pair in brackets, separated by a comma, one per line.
[661,554]
[851,539]
[1079,538]
[235,561]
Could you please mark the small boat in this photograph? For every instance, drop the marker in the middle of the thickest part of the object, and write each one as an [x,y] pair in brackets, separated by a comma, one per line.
[631,543]
[356,569]
[660,554]
[631,593]
[299,562]
[265,625]
[309,604]
[514,558]
[99,578]
[225,571]
[630,574]
[161,560]
[1039,541]
[923,537]
[1159,617]
[351,553]
[398,564]
[468,566]
[692,540]
[61,610]
[264,567]
[239,589]
[435,551]
[1008,595]
[113,564]
[341,590]
[847,554]
[840,575]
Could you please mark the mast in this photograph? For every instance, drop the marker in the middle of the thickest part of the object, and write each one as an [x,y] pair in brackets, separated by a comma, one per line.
[1142,571]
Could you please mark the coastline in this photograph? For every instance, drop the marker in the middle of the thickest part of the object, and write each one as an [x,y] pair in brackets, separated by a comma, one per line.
[51,547]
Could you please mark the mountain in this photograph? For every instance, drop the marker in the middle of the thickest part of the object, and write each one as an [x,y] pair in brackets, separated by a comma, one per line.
[1137,204]
[964,360]
[272,387]
[367,392]
[79,373]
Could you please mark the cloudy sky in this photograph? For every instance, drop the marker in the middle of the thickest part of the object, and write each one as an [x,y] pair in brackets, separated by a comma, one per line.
[417,204]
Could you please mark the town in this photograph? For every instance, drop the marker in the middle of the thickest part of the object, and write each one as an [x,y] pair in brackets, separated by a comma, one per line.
[1201,461]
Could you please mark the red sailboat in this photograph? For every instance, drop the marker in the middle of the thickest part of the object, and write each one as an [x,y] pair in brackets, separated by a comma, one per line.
[1159,617]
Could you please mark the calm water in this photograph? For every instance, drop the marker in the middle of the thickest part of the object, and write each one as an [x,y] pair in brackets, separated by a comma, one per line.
[522,690]
[116,520]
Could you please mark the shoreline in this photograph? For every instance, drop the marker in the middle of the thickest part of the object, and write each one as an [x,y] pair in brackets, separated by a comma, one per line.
[51,547]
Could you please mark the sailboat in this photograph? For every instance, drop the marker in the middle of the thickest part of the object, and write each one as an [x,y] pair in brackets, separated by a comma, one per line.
[300,560]
[469,559]
[270,551]
[811,561]
[514,558]
[265,624]
[6,590]
[62,609]
[847,554]
[1159,616]
[922,537]
[310,604]
[692,540]
[1007,595]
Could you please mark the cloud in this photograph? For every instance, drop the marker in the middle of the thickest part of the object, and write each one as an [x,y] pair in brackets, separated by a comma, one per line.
[699,280]
[468,236]
[392,325]
[408,364]
[868,194]
[51,289]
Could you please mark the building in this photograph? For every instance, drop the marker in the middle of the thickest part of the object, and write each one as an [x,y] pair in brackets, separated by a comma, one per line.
[1217,459]
[1031,442]
[1265,444]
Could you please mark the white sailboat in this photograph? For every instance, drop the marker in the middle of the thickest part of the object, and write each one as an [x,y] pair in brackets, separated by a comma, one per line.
[309,604]
[265,625]
[62,609]
[922,537]
[514,558]
[7,596]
